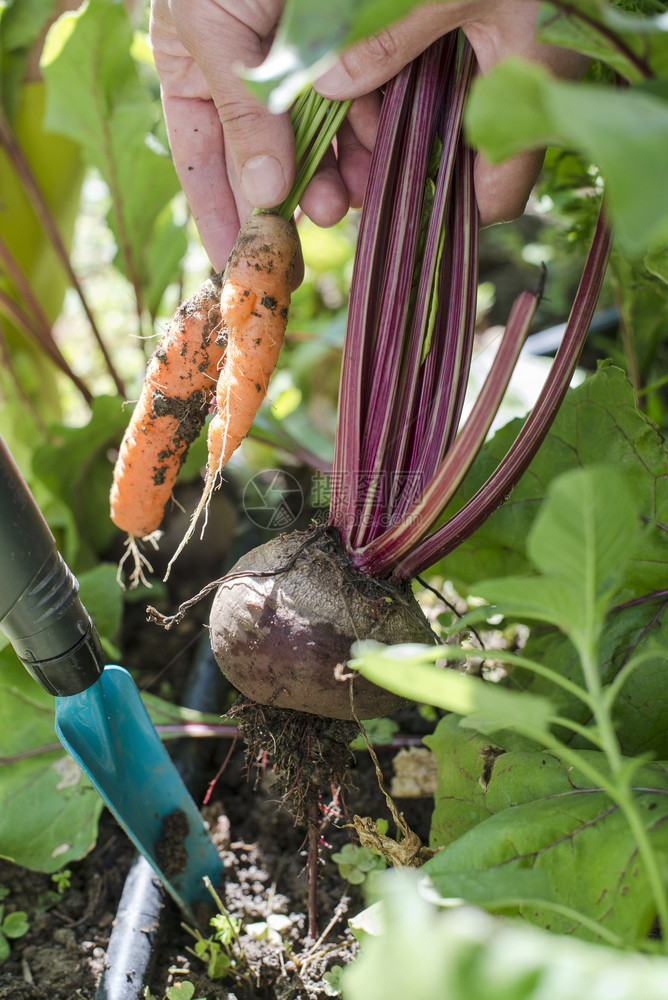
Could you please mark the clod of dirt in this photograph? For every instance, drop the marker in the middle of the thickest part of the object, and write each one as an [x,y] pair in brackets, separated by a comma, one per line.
[286,615]
[170,846]
[305,751]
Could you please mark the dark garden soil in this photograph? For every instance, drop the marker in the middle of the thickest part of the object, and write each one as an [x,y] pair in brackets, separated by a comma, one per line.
[262,844]
[264,852]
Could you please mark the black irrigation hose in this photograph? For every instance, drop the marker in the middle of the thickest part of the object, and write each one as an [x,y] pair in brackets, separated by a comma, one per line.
[137,926]
[144,905]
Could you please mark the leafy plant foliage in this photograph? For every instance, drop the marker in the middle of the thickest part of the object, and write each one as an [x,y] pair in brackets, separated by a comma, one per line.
[464,954]
[95,97]
[549,784]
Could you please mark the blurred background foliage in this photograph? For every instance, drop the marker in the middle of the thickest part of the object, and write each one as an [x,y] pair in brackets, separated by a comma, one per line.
[97,248]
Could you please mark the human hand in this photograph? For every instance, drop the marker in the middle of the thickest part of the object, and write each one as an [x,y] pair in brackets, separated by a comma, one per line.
[231,154]
[496,29]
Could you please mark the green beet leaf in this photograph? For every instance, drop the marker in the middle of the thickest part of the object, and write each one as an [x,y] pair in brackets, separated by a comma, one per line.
[510,811]
[21,23]
[308,37]
[588,851]
[581,540]
[95,96]
[631,45]
[519,106]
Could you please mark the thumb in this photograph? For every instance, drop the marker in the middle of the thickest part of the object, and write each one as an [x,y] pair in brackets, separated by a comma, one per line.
[372,62]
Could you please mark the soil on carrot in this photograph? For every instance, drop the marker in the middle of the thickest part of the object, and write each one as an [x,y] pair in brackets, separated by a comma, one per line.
[263,845]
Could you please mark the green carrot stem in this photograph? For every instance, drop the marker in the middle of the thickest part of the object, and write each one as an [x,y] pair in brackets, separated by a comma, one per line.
[316,121]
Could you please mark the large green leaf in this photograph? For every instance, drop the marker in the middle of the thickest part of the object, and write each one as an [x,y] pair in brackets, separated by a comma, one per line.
[544,814]
[48,810]
[587,529]
[583,537]
[464,954]
[519,106]
[599,421]
[75,468]
[95,97]
[464,763]
[631,45]
[641,708]
[584,844]
[21,24]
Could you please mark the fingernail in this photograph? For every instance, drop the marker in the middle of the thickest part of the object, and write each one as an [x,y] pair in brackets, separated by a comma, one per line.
[263,181]
[333,82]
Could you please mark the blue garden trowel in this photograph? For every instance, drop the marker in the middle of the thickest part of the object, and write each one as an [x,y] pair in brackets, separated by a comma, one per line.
[100,718]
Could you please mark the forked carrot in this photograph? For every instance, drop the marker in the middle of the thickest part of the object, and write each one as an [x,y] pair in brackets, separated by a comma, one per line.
[254,309]
[178,390]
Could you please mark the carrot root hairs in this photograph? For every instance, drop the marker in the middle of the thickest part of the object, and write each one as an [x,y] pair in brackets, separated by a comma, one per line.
[138,561]
[254,306]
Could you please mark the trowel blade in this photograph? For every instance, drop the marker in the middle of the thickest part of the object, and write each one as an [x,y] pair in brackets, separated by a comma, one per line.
[108,732]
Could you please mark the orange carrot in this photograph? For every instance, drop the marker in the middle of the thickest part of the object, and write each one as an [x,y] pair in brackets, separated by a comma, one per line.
[178,389]
[254,309]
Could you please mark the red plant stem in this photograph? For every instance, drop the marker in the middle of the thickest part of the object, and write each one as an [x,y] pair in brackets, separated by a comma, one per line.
[656,595]
[399,410]
[312,869]
[519,456]
[396,257]
[44,339]
[383,372]
[357,353]
[195,730]
[385,551]
[22,286]
[444,371]
[43,212]
[39,329]
[430,394]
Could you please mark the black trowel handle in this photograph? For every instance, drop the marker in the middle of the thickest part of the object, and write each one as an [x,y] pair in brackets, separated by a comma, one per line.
[40,610]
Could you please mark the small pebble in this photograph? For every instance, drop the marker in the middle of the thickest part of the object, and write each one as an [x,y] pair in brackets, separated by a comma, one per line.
[66,937]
